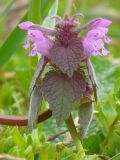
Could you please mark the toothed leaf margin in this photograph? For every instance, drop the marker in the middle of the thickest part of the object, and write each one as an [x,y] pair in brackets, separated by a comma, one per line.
[62,93]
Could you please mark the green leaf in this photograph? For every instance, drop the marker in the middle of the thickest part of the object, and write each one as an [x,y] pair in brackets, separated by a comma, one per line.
[116,157]
[92,157]
[29,153]
[47,151]
[18,138]
[62,93]
[48,22]
[7,9]
[68,154]
[101,116]
[23,79]
[92,143]
[117,89]
[12,43]
[113,145]
[106,74]
[35,139]
[107,110]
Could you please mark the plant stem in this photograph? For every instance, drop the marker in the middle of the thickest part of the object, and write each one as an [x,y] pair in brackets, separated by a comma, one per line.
[23,120]
[51,138]
[74,134]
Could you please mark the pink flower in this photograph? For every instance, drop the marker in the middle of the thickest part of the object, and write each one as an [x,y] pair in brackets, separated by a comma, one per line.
[25,25]
[40,43]
[94,41]
[63,45]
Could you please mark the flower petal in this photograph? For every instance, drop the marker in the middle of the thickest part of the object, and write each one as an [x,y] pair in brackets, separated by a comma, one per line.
[95,38]
[94,34]
[102,23]
[40,43]
[91,46]
[33,52]
[25,25]
[98,44]
[103,30]
[95,53]
[26,45]
[35,35]
[43,46]
[107,39]
[104,51]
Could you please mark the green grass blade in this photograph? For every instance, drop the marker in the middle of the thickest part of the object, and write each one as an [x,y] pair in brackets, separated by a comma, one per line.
[6,10]
[12,43]
[34,15]
[45,6]
[34,12]
[15,39]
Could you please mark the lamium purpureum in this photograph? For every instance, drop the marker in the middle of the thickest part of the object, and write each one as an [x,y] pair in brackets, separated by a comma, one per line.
[71,78]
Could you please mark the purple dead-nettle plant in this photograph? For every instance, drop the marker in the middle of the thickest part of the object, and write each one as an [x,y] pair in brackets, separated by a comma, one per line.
[68,83]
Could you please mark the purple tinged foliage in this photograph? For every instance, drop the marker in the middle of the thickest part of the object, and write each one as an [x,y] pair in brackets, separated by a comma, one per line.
[93,79]
[37,75]
[63,45]
[63,92]
[35,105]
[66,84]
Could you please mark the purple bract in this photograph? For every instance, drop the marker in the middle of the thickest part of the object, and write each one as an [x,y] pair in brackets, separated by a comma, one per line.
[63,45]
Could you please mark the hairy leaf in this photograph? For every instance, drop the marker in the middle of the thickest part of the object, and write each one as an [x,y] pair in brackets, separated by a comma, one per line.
[85,117]
[67,58]
[35,102]
[62,93]
[93,79]
[41,65]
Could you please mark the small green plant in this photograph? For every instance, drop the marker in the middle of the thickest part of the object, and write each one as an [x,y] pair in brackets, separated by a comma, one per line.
[65,82]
